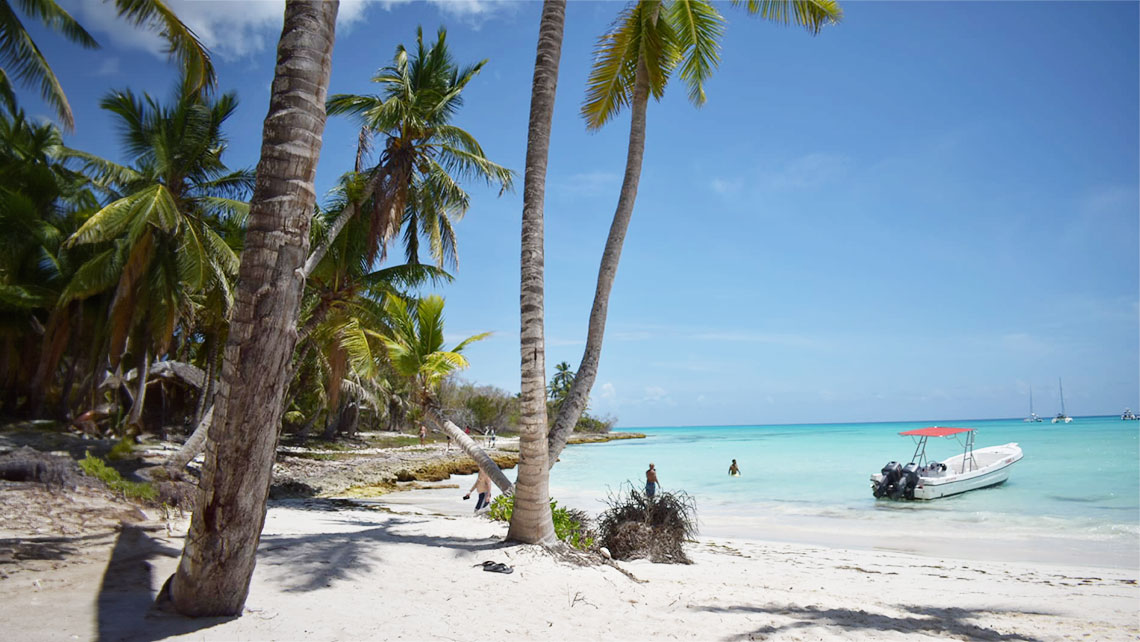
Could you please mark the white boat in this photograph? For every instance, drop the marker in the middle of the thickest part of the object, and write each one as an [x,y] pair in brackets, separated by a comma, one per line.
[1032,415]
[923,479]
[1128,415]
[1061,417]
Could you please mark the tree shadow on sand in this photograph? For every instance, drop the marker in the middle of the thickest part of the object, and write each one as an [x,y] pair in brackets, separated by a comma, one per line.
[954,622]
[314,561]
[126,594]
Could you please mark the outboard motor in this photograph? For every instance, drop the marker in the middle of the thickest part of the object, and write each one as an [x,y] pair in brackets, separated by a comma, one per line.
[892,473]
[909,480]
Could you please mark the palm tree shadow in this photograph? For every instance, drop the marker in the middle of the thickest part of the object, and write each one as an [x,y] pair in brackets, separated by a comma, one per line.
[952,621]
[126,594]
[315,561]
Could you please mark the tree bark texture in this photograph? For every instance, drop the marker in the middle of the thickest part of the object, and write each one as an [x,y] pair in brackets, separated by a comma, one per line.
[217,562]
[575,402]
[531,522]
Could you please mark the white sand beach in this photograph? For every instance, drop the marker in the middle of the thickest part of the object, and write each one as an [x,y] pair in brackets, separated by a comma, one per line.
[412,570]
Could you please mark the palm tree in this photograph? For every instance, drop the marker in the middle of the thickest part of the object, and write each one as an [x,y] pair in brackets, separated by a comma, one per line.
[218,559]
[159,228]
[21,58]
[561,383]
[415,350]
[39,200]
[414,185]
[650,41]
[531,520]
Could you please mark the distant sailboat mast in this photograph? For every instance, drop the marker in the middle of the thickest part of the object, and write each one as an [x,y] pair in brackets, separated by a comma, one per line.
[1062,389]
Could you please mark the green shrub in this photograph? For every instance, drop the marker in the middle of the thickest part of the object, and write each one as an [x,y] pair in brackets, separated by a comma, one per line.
[570,526]
[97,468]
[123,449]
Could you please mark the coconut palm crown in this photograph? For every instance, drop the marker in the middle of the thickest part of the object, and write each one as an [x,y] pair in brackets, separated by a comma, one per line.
[159,228]
[676,36]
[415,184]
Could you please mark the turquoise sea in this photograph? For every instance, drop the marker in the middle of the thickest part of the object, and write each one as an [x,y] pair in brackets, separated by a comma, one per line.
[1074,498]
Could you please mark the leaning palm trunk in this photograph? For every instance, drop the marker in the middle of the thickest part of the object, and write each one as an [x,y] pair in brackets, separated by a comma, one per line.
[217,563]
[575,402]
[350,210]
[134,418]
[193,446]
[531,520]
[472,449]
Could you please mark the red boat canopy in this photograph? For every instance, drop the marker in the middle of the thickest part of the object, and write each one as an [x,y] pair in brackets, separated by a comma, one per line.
[936,431]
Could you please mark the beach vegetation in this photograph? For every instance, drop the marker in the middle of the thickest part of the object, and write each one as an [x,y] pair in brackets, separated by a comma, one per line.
[97,468]
[570,525]
[636,526]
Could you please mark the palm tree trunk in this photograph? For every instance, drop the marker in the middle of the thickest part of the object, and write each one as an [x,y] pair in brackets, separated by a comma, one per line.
[350,210]
[472,449]
[217,563]
[206,392]
[57,337]
[575,402]
[531,522]
[193,445]
[134,418]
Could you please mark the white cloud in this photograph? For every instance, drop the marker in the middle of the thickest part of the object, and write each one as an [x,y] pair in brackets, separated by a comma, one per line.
[655,394]
[774,338]
[809,171]
[589,183]
[235,30]
[724,186]
[608,392]
[109,67]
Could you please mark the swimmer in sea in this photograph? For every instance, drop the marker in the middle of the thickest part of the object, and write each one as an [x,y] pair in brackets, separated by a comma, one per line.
[734,470]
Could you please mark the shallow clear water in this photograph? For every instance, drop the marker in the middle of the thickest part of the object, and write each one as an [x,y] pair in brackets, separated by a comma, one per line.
[1078,482]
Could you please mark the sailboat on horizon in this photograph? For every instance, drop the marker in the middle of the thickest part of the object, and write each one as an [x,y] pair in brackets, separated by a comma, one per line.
[1061,417]
[1032,415]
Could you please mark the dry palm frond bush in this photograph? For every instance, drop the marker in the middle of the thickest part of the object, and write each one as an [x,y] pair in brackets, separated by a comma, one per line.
[636,526]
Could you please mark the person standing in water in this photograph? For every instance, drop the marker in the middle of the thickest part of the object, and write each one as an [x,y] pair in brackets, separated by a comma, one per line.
[734,470]
[651,482]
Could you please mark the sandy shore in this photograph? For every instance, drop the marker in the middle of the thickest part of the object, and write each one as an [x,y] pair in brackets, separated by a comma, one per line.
[411,569]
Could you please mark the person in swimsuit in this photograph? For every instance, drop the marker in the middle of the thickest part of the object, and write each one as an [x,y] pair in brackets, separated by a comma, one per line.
[651,482]
[734,469]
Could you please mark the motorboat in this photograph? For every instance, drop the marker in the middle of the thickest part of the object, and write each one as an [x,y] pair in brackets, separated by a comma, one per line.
[1128,415]
[1032,415]
[930,479]
[1061,417]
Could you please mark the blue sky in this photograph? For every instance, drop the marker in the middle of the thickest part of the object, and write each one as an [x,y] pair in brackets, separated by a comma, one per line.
[917,214]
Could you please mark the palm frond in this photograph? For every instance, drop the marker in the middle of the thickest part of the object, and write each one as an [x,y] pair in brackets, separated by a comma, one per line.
[812,15]
[183,43]
[610,83]
[20,57]
[698,27]
[98,274]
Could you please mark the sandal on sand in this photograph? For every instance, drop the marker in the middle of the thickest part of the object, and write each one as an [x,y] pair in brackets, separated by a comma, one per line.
[494,567]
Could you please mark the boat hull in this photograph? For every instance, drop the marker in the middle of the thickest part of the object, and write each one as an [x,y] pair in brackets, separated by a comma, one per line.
[994,465]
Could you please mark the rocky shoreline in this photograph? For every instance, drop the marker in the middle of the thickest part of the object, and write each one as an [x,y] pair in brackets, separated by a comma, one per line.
[370,472]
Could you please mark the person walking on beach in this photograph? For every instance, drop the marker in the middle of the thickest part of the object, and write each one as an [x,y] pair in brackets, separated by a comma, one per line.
[651,482]
[483,485]
[734,470]
[423,434]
